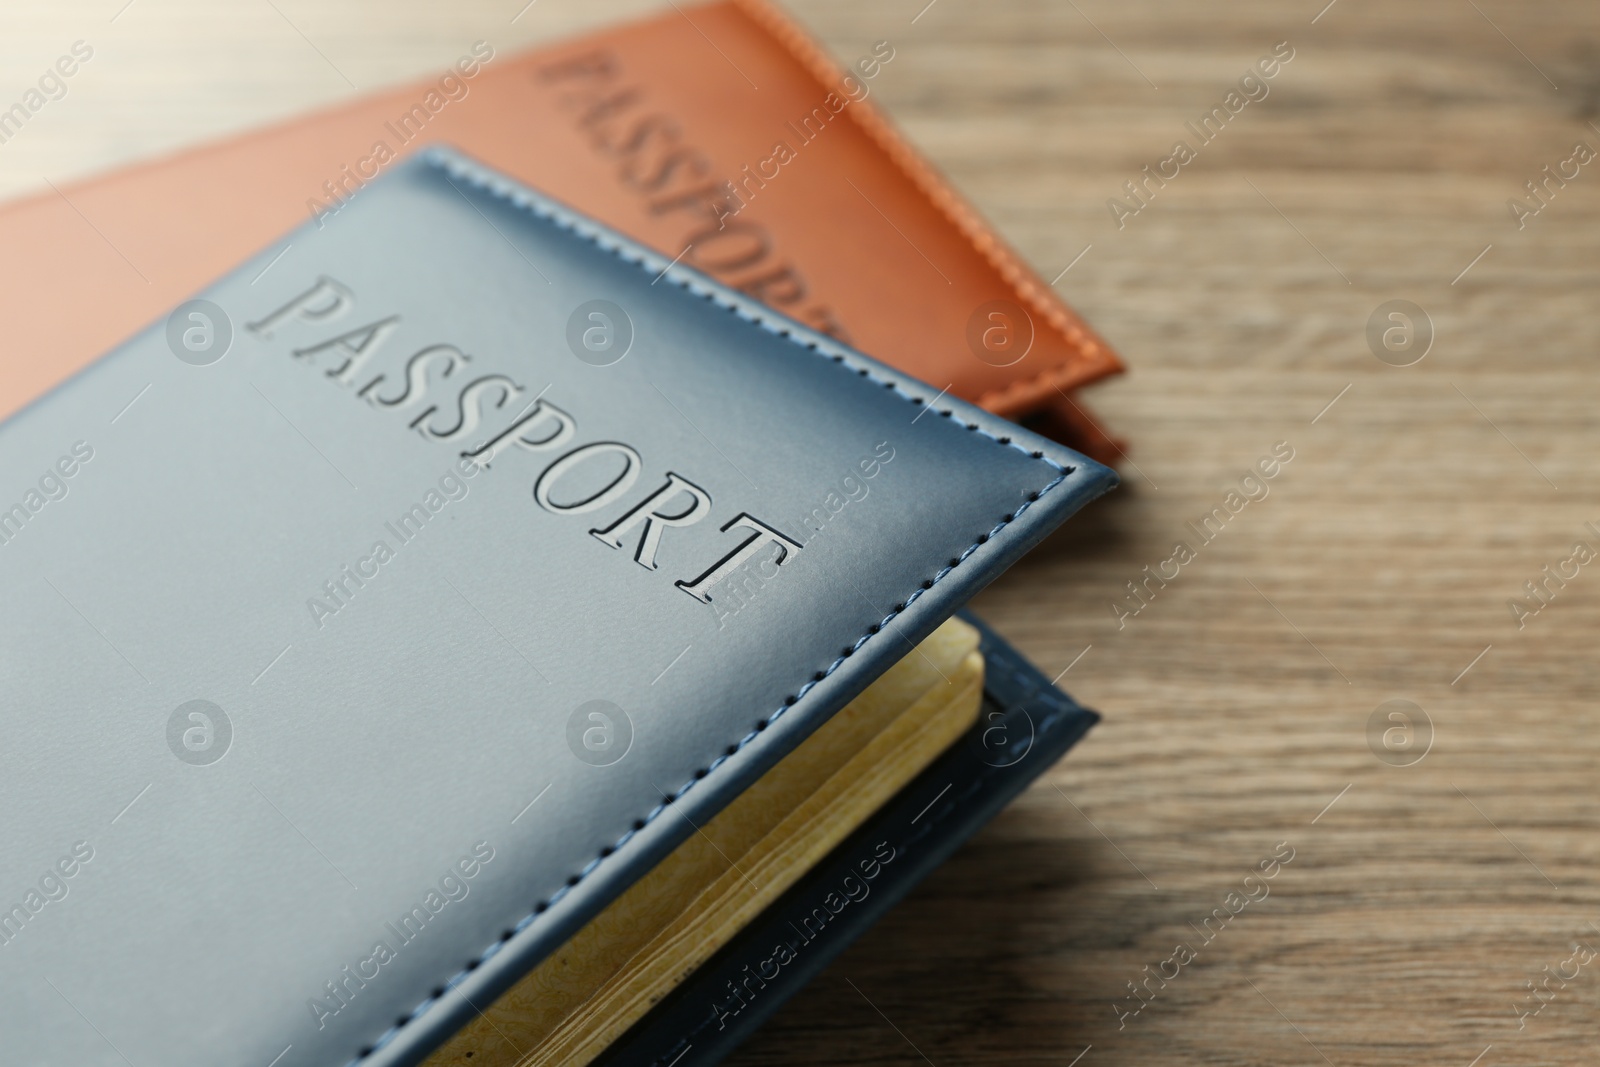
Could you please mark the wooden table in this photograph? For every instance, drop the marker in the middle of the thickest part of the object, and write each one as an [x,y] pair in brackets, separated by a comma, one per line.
[1421,900]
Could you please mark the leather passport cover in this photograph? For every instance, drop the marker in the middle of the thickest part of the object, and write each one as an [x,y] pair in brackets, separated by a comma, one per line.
[719,134]
[361,638]
[1025,726]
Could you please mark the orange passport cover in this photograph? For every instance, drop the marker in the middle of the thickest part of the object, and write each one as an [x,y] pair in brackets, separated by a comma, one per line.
[717,133]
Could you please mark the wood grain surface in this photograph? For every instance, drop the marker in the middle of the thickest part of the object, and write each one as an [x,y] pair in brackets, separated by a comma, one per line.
[1421,900]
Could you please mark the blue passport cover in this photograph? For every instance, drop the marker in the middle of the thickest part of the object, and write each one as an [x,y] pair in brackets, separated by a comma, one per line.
[362,639]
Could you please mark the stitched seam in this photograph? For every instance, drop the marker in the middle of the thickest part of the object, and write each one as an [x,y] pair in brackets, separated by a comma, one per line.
[1086,347]
[559,217]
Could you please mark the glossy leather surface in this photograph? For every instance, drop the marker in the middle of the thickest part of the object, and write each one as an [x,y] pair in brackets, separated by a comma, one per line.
[435,714]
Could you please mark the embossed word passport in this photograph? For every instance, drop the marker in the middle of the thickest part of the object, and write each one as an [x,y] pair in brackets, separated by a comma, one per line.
[405,623]
[718,134]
